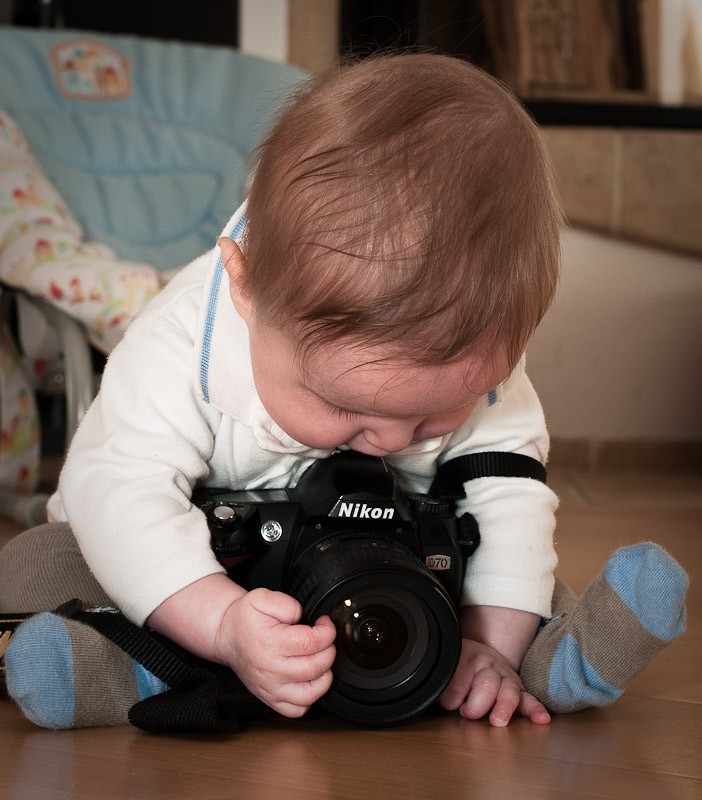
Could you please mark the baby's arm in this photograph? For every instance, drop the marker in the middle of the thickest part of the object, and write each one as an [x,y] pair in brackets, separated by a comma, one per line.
[257,634]
[126,488]
[486,680]
[509,580]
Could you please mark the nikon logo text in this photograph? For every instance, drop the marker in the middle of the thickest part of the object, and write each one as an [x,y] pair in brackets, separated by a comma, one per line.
[364,511]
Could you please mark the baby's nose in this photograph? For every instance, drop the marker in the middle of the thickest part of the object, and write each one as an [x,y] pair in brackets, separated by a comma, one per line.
[391,438]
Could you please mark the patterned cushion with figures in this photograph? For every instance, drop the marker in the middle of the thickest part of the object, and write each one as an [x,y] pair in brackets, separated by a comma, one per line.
[43,250]
[19,418]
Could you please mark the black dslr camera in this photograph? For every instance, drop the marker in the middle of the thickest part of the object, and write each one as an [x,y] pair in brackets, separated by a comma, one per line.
[385,566]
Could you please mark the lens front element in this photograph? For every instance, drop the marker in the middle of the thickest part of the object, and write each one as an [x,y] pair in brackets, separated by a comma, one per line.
[374,637]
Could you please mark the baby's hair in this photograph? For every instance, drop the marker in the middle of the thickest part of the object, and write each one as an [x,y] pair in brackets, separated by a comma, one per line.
[405,201]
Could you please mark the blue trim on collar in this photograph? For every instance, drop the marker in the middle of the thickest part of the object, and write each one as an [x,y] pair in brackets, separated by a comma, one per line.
[211,312]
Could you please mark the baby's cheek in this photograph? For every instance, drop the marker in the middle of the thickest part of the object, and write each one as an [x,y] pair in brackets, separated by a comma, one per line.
[442,426]
[315,430]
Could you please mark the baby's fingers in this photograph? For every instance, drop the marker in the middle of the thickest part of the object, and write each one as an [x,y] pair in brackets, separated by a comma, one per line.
[533,709]
[506,702]
[302,640]
[509,699]
[483,694]
[304,669]
[295,699]
[458,687]
[305,640]
[277,605]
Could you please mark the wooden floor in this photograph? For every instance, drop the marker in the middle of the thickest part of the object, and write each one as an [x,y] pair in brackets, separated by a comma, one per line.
[648,745]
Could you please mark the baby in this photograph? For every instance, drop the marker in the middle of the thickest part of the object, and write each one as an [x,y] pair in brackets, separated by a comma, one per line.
[399,246]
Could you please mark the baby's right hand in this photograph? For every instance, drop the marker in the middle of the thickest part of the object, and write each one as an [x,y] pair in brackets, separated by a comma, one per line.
[285,664]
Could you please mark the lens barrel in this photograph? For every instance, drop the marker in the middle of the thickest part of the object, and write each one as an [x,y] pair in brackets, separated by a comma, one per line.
[398,637]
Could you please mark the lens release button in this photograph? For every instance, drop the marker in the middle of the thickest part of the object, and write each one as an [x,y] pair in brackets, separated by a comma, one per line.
[271,531]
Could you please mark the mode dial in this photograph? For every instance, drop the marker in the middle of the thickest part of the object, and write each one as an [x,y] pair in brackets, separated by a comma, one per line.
[426,504]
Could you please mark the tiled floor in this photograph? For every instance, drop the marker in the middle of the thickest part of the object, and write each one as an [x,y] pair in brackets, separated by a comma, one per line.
[647,745]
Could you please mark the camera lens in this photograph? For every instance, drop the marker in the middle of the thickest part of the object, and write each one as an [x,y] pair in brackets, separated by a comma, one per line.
[382,638]
[398,638]
[375,638]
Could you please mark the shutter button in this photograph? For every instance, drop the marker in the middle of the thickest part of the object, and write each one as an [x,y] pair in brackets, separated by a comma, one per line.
[224,515]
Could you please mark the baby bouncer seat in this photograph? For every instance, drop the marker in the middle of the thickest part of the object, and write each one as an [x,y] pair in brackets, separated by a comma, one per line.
[121,159]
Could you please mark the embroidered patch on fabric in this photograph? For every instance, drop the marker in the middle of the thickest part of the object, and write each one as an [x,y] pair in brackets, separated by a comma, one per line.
[85,69]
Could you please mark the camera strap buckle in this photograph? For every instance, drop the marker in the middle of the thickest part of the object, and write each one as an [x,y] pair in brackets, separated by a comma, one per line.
[8,626]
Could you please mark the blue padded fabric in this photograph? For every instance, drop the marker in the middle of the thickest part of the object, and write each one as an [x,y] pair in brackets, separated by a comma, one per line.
[155,174]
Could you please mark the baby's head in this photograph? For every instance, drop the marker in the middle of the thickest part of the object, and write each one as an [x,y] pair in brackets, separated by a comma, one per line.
[405,200]
[402,210]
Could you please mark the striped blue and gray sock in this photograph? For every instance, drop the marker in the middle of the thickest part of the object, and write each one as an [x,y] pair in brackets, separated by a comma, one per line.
[586,656]
[64,674]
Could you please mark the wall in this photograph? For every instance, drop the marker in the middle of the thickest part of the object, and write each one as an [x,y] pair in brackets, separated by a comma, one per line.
[617,360]
[640,184]
[303,32]
[263,28]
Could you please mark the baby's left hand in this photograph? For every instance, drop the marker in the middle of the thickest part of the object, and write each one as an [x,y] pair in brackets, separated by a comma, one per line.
[486,681]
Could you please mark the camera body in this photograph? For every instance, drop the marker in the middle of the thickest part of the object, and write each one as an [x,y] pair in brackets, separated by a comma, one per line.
[387,567]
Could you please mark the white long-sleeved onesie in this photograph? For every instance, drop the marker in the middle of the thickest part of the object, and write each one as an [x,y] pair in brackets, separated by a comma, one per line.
[178,406]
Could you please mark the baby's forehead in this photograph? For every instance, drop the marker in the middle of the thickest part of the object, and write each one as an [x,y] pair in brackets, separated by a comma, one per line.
[367,378]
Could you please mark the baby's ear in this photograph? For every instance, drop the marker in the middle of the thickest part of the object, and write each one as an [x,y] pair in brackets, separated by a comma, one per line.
[235,265]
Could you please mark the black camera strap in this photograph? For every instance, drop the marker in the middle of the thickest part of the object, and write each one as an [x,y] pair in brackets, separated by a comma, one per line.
[204,696]
[452,475]
[8,626]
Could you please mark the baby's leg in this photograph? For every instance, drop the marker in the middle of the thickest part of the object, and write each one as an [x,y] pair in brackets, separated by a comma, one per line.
[592,647]
[62,673]
[43,568]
